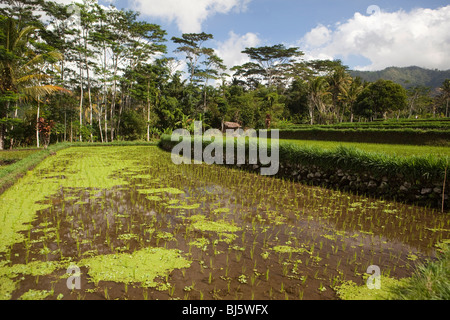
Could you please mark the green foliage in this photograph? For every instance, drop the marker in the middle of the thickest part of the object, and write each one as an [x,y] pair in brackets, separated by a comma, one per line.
[424,125]
[132,125]
[130,96]
[431,281]
[379,98]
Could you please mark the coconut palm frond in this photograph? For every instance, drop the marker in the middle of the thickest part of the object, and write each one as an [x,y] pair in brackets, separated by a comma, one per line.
[37,59]
[33,77]
[37,91]
[22,37]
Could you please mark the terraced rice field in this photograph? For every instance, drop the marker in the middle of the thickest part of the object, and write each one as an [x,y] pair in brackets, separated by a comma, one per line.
[136,226]
[387,149]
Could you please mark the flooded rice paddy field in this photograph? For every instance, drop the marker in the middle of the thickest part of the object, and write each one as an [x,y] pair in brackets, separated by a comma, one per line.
[139,227]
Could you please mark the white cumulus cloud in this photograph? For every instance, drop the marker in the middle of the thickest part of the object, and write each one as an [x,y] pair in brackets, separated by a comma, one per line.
[231,49]
[188,14]
[419,37]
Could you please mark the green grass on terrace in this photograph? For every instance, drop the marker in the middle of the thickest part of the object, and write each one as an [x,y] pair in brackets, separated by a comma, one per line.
[7,155]
[388,149]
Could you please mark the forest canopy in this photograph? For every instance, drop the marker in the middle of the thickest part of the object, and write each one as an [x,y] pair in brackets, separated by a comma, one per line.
[95,73]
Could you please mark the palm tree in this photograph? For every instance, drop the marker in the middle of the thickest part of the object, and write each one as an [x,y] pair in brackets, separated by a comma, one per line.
[22,68]
[318,92]
[338,81]
[350,94]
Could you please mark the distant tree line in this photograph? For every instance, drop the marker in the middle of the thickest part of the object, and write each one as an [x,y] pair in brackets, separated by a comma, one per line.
[95,73]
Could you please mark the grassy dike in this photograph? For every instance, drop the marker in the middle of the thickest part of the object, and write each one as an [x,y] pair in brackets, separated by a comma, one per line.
[11,173]
[370,135]
[413,179]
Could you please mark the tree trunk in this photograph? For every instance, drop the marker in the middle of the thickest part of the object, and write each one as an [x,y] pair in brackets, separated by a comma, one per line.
[86,65]
[105,100]
[148,111]
[120,115]
[37,123]
[81,98]
[100,118]
[113,102]
[65,125]
[90,101]
[2,130]
[352,116]
[446,109]
[11,142]
[106,123]
[204,95]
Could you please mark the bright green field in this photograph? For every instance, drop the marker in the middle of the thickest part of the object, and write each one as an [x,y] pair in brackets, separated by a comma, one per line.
[389,149]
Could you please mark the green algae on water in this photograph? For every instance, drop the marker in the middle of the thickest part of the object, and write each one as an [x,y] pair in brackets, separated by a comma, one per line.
[35,295]
[161,190]
[35,268]
[7,286]
[142,266]
[185,206]
[201,243]
[221,210]
[288,249]
[349,290]
[82,168]
[200,223]
[154,198]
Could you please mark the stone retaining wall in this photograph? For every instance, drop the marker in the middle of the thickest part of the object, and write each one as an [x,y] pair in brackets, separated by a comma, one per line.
[425,192]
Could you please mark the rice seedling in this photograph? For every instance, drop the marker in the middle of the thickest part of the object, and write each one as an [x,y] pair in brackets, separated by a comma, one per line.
[250,201]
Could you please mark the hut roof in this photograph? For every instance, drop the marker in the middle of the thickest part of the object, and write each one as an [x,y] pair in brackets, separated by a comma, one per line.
[232,125]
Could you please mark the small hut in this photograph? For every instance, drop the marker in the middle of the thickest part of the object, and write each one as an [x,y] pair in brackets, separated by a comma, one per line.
[230,125]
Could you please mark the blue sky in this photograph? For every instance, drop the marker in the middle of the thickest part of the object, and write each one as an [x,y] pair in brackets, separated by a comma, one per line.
[402,33]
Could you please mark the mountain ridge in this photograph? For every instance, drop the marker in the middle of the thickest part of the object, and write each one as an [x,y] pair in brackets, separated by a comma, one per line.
[406,76]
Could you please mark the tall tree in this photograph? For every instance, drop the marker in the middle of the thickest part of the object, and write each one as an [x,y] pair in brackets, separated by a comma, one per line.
[418,99]
[381,97]
[22,65]
[339,80]
[445,94]
[213,65]
[273,63]
[318,94]
[349,95]
[191,44]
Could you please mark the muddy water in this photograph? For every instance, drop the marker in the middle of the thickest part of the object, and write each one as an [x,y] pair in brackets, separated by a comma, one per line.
[245,236]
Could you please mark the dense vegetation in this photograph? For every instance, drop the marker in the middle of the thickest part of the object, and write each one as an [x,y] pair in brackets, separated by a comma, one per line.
[92,73]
